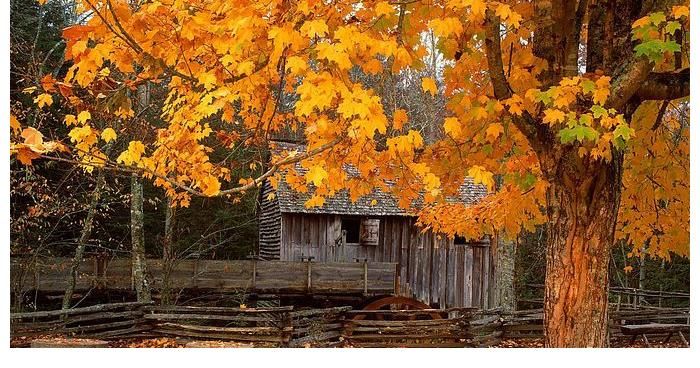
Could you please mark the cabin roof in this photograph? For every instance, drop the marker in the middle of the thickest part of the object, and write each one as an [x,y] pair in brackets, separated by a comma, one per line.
[291,201]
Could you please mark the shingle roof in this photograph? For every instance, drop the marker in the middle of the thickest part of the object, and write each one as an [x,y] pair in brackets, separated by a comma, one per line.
[291,201]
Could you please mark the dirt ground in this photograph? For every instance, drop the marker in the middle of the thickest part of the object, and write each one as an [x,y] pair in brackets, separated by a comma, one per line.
[170,342]
[539,343]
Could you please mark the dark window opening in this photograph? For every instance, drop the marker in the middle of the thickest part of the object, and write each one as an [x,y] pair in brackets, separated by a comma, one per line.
[460,240]
[351,228]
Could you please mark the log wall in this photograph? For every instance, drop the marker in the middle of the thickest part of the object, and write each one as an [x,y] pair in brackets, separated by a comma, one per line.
[430,268]
[269,225]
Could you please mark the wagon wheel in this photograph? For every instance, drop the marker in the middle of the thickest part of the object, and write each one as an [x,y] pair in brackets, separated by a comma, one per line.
[398,303]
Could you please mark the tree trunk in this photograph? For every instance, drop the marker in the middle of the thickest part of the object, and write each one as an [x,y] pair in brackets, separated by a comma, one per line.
[84,237]
[168,253]
[505,273]
[582,200]
[138,246]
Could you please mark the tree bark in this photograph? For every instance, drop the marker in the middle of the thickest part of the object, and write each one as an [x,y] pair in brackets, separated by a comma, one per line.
[168,254]
[84,237]
[138,246]
[582,203]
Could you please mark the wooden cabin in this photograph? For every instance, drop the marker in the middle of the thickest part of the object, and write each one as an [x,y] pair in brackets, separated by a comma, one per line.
[436,270]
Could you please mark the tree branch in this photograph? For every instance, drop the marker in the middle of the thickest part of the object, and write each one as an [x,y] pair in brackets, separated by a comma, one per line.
[665,86]
[627,80]
[573,41]
[501,89]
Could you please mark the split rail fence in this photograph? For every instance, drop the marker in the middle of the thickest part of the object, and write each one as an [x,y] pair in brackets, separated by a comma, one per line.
[284,326]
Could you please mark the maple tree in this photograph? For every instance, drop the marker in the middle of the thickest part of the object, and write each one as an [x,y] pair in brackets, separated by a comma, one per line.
[567,111]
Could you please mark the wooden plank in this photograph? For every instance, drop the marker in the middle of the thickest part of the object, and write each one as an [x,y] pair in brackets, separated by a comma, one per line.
[82,310]
[432,263]
[459,272]
[225,310]
[270,276]
[477,282]
[322,246]
[222,336]
[485,277]
[442,272]
[297,246]
[468,281]
[388,244]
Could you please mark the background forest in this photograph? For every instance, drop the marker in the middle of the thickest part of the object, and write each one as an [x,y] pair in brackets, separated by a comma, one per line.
[50,200]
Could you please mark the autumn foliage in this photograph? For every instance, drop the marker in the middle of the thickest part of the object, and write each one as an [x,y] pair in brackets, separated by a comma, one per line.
[226,65]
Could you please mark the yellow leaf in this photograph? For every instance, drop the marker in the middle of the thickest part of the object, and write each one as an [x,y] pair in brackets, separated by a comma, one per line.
[132,154]
[108,135]
[602,91]
[494,130]
[32,137]
[627,269]
[445,27]
[680,11]
[210,186]
[25,155]
[79,47]
[478,8]
[43,99]
[510,17]
[314,28]
[84,116]
[315,201]
[316,175]
[429,85]
[373,202]
[245,68]
[553,116]
[295,64]
[400,118]
[373,66]
[42,2]
[14,124]
[482,176]
[334,53]
[383,8]
[452,127]
[600,96]
[641,22]
[70,120]
[208,80]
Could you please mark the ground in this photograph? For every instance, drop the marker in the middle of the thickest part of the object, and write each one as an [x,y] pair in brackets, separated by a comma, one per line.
[169,342]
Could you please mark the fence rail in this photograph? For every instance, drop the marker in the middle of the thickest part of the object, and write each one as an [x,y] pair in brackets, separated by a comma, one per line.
[285,326]
[50,275]
[404,328]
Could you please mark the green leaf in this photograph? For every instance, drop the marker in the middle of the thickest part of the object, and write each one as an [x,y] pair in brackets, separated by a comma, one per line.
[652,49]
[527,181]
[567,135]
[545,97]
[598,111]
[672,27]
[671,46]
[586,119]
[578,133]
[588,86]
[623,131]
[657,18]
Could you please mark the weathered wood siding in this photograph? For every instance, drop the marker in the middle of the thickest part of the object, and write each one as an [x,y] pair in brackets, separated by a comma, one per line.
[269,225]
[430,268]
[250,275]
